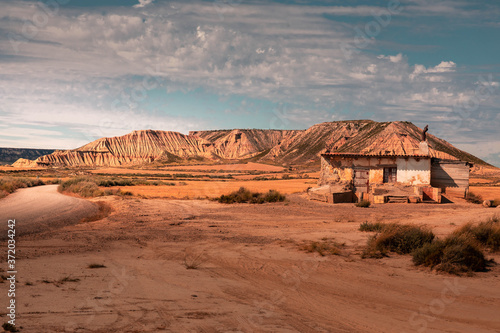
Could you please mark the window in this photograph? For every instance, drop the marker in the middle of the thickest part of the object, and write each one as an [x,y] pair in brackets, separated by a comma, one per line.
[390,175]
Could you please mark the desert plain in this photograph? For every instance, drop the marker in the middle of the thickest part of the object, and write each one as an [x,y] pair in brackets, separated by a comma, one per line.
[167,258]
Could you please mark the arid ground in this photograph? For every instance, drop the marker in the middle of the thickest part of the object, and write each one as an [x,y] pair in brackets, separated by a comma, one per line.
[195,265]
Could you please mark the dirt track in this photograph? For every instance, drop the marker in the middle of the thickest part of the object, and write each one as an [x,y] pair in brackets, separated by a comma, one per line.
[252,276]
[42,208]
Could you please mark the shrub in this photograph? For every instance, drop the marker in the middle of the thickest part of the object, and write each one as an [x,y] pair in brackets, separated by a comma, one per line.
[244,195]
[324,247]
[402,239]
[368,226]
[10,184]
[485,233]
[363,203]
[94,266]
[456,254]
[82,187]
[474,198]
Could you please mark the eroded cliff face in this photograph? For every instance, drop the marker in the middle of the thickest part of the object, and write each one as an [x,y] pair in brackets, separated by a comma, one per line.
[274,146]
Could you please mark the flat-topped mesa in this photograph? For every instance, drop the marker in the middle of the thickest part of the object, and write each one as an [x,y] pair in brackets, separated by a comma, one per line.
[271,146]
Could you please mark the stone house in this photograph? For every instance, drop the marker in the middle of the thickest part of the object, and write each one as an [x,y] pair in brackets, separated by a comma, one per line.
[381,178]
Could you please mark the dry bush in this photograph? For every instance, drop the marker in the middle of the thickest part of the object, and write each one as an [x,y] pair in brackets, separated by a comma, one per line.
[399,238]
[455,255]
[10,184]
[363,204]
[474,198]
[369,226]
[486,233]
[324,247]
[244,195]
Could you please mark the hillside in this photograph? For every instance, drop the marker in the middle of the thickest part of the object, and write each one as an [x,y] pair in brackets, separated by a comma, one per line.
[10,155]
[284,147]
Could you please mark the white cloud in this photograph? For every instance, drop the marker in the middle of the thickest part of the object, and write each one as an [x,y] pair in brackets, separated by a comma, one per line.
[80,62]
[143,3]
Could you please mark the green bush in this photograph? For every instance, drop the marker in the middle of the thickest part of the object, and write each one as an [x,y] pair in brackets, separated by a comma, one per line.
[363,203]
[243,195]
[399,238]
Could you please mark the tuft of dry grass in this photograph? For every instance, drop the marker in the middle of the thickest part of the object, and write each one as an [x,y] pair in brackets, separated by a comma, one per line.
[456,254]
[9,184]
[93,266]
[193,261]
[244,195]
[324,247]
[399,238]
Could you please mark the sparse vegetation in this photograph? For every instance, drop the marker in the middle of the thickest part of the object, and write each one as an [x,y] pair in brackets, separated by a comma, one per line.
[368,226]
[94,266]
[193,261]
[9,184]
[244,195]
[324,247]
[456,254]
[474,198]
[363,203]
[89,187]
[487,233]
[399,238]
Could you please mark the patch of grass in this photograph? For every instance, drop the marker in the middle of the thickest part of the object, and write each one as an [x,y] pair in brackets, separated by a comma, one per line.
[399,238]
[455,255]
[369,226]
[93,266]
[487,234]
[363,203]
[193,261]
[474,198]
[244,195]
[83,186]
[9,184]
[324,247]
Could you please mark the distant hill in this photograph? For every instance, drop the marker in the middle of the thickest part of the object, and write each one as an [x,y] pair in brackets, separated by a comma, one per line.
[285,147]
[10,155]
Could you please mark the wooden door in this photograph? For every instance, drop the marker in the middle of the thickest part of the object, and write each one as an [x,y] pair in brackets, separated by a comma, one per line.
[361,180]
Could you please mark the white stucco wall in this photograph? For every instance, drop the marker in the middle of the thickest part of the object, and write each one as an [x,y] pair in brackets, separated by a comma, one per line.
[413,172]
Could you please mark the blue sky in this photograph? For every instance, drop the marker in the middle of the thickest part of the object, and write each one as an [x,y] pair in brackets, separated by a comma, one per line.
[72,71]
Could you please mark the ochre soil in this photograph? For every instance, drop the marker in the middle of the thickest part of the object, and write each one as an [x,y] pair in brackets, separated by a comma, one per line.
[248,275]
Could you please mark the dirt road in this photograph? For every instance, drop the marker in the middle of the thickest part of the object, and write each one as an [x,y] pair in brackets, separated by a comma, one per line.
[42,208]
[247,272]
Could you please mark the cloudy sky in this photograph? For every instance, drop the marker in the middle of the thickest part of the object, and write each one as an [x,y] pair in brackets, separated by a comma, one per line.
[72,71]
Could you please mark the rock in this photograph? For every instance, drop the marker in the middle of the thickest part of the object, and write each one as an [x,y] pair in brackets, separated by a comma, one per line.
[24,163]
[291,147]
[487,203]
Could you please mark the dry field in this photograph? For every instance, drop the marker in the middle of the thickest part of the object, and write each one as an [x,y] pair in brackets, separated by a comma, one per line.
[247,273]
[199,266]
[212,189]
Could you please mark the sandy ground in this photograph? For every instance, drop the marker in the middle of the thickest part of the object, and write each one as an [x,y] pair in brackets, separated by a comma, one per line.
[250,274]
[42,208]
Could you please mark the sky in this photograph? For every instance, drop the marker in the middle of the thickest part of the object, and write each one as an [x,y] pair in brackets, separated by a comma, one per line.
[72,71]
